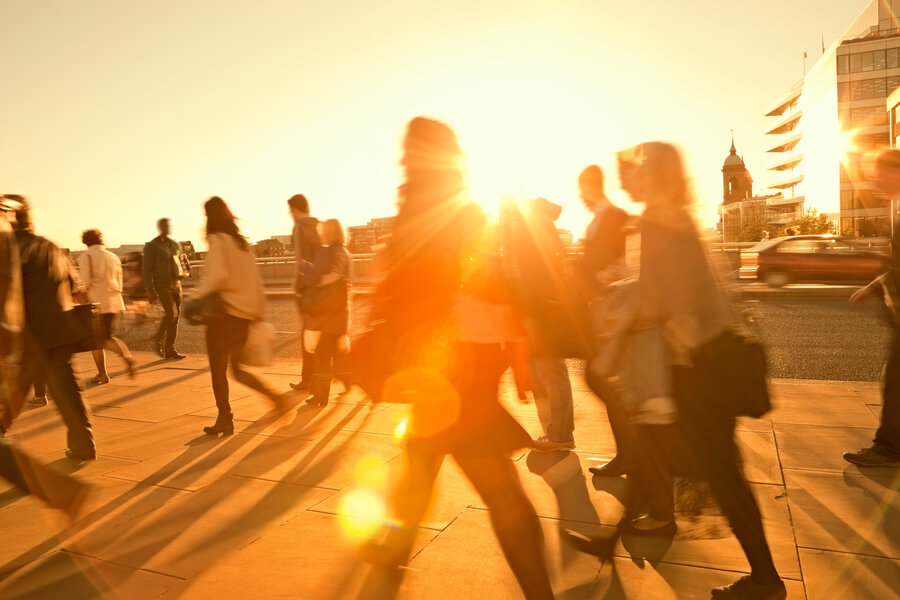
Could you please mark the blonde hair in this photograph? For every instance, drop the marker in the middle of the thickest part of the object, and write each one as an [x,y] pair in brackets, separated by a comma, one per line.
[661,165]
[333,232]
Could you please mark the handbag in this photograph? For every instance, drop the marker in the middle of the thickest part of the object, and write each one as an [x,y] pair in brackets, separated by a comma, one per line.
[205,310]
[739,360]
[90,325]
[259,349]
[326,299]
[373,359]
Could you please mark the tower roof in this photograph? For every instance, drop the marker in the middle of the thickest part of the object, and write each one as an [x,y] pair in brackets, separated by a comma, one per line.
[733,160]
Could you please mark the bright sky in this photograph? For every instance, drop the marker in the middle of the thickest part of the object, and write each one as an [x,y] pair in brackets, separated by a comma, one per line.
[113,114]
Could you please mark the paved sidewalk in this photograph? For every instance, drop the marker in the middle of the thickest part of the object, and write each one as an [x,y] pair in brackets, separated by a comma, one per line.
[178,514]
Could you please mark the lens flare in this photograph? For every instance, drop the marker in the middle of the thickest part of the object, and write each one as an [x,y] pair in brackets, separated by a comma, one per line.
[400,430]
[370,472]
[361,513]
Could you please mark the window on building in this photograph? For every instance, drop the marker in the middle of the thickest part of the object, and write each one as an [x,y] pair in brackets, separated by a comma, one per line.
[878,58]
[878,88]
[843,92]
[856,90]
[855,63]
[843,64]
[868,61]
[892,83]
[892,58]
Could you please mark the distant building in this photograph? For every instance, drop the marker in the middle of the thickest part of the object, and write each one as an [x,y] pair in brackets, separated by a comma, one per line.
[833,122]
[566,237]
[741,209]
[269,248]
[363,239]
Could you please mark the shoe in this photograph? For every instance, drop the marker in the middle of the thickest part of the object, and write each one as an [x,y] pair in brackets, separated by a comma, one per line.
[223,427]
[173,354]
[160,348]
[301,386]
[82,457]
[99,379]
[131,365]
[871,457]
[545,444]
[614,468]
[647,525]
[317,401]
[747,589]
[37,401]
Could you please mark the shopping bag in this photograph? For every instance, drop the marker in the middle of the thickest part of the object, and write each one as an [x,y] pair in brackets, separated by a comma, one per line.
[259,351]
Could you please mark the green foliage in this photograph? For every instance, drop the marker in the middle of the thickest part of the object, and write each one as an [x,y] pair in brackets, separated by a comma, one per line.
[753,232]
[811,222]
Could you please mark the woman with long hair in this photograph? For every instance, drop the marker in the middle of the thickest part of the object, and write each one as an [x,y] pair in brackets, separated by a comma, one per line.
[439,294]
[230,272]
[680,292]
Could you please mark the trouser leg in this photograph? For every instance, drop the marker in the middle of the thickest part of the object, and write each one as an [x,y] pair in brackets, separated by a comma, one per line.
[217,347]
[554,377]
[888,434]
[708,429]
[67,396]
[308,369]
[622,429]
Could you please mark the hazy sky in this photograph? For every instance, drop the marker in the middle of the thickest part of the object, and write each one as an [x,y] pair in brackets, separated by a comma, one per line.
[113,114]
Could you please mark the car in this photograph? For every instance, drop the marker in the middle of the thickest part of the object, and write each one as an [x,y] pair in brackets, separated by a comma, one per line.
[813,259]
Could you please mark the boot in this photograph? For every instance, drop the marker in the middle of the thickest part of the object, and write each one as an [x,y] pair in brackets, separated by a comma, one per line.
[224,425]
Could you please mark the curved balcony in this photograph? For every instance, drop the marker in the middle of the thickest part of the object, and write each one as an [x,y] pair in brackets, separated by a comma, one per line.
[788,183]
[786,101]
[787,144]
[787,165]
[787,124]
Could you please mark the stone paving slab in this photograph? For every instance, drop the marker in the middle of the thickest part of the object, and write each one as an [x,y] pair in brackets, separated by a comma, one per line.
[270,511]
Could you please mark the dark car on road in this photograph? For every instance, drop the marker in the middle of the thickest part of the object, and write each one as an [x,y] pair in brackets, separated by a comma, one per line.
[813,259]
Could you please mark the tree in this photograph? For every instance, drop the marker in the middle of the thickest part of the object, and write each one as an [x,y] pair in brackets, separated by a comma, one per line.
[812,222]
[753,231]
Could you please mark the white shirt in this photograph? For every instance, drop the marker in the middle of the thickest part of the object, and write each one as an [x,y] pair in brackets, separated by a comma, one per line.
[101,272]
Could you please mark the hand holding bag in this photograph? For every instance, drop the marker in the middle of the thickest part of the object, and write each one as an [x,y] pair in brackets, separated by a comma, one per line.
[90,322]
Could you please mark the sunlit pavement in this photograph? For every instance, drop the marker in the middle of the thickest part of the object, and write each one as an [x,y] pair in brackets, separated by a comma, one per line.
[274,510]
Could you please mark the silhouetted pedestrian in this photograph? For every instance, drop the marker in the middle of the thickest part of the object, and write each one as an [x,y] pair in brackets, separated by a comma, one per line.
[232,284]
[306,246]
[163,273]
[327,311]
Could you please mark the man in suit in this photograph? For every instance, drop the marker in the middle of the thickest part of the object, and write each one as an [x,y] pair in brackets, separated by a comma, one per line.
[163,273]
[885,449]
[604,251]
[306,245]
[52,330]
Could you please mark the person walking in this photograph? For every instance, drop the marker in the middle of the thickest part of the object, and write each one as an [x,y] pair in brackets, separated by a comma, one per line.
[231,280]
[101,273]
[52,331]
[28,474]
[327,311]
[306,246]
[604,251]
[679,292]
[533,261]
[163,273]
[885,448]
[440,308]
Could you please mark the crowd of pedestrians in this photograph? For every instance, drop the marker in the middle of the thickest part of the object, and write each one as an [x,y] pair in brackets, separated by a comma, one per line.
[460,299]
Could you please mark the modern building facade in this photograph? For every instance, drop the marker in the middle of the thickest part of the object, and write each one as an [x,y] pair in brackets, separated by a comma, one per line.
[830,125]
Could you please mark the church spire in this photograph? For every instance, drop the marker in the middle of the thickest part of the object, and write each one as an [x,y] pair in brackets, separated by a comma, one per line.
[733,149]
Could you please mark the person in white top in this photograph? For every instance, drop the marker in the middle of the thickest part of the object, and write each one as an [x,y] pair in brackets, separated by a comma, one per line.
[101,272]
[230,272]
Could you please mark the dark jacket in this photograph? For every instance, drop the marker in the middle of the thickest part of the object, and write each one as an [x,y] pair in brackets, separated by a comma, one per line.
[162,264]
[47,280]
[332,315]
[306,245]
[603,245]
